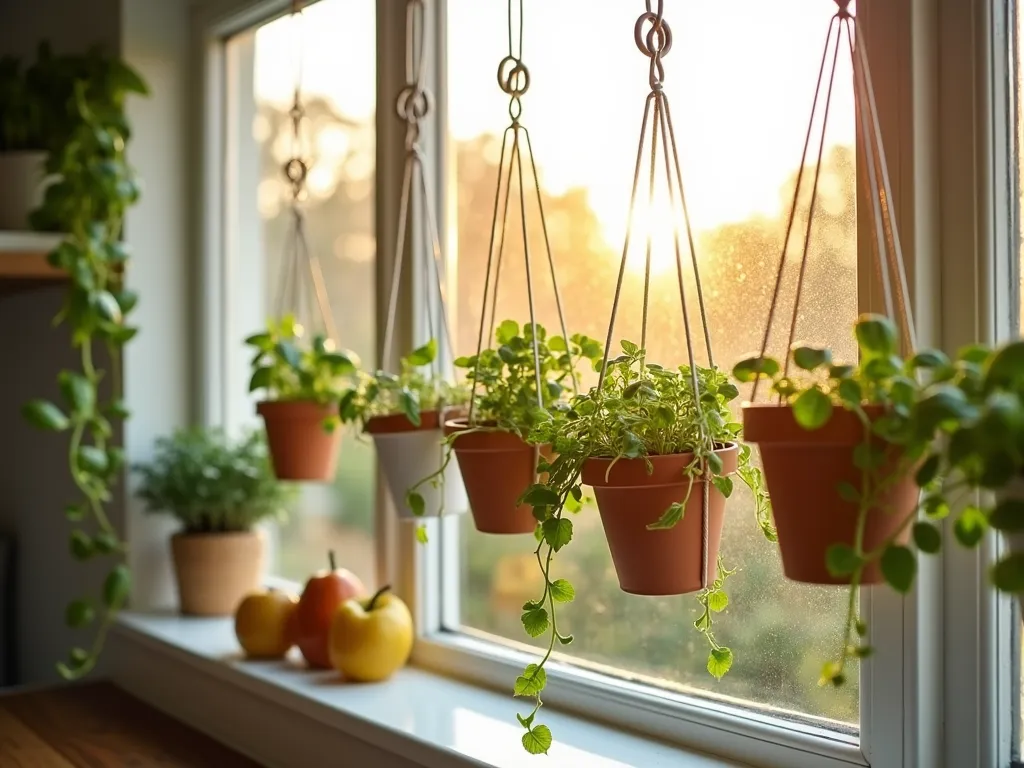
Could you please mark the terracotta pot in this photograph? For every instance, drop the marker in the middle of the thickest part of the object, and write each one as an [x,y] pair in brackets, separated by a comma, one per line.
[662,562]
[300,447]
[496,468]
[803,469]
[215,571]
[22,181]
[408,454]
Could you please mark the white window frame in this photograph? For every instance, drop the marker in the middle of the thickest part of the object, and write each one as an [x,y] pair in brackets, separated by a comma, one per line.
[944,653]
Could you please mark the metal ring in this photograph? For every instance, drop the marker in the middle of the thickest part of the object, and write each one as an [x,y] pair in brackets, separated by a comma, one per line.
[661,8]
[657,41]
[516,81]
[413,103]
[515,109]
[844,9]
[295,171]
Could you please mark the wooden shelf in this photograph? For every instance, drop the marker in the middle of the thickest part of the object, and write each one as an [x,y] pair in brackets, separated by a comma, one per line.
[23,264]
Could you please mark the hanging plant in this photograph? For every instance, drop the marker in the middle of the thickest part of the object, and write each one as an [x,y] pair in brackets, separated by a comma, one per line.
[497,463]
[404,414]
[304,380]
[93,188]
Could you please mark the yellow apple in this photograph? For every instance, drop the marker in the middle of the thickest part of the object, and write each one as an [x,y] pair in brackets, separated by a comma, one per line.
[371,639]
[264,623]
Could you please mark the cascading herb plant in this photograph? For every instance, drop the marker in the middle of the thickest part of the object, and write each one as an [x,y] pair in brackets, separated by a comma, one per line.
[643,410]
[918,400]
[93,188]
[506,385]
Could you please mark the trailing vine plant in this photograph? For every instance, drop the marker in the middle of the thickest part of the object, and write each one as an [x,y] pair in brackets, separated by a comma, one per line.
[913,402]
[643,410]
[93,189]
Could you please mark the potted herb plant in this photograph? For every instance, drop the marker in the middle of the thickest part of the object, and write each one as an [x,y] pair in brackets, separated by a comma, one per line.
[496,462]
[404,414]
[218,490]
[304,381]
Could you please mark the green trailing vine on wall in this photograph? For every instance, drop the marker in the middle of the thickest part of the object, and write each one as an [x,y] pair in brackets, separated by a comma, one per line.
[93,189]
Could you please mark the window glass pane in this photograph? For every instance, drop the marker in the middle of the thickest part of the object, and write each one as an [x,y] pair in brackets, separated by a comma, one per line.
[335,36]
[740,135]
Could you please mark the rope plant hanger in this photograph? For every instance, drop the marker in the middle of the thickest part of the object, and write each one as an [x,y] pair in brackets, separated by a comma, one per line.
[844,446]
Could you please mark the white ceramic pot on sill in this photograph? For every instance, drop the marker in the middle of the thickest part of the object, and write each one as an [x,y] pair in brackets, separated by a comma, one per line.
[22,182]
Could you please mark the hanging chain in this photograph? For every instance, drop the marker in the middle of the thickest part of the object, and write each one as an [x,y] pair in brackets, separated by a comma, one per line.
[300,262]
[655,43]
[412,105]
[886,248]
[514,81]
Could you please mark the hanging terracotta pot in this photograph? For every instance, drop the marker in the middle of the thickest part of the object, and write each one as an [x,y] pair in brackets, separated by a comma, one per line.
[804,469]
[497,467]
[407,454]
[661,562]
[301,448]
[214,571]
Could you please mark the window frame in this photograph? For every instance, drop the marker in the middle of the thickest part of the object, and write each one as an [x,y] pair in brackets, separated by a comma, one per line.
[938,56]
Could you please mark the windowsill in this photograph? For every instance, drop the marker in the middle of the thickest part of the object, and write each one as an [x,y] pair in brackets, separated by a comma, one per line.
[193,669]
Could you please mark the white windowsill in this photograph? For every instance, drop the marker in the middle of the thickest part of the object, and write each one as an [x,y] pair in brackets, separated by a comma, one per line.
[282,715]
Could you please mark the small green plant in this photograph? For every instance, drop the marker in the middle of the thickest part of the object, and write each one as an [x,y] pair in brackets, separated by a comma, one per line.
[86,132]
[413,390]
[919,399]
[290,368]
[643,410]
[212,484]
[506,386]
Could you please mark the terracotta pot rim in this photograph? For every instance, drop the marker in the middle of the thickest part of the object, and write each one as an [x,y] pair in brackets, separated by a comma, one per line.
[397,423]
[290,409]
[184,536]
[775,424]
[604,472]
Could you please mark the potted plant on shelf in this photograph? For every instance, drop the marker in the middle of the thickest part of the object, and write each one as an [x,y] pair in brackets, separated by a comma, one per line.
[496,462]
[304,382]
[846,451]
[656,445]
[218,490]
[404,414]
[22,144]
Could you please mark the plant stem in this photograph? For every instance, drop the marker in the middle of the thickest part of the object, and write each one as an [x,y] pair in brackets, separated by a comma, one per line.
[331,560]
[376,596]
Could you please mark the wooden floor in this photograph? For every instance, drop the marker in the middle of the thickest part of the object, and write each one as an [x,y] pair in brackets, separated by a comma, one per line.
[97,725]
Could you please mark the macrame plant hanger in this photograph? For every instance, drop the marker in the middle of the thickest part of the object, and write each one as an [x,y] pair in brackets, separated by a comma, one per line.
[886,249]
[656,43]
[413,105]
[514,80]
[300,271]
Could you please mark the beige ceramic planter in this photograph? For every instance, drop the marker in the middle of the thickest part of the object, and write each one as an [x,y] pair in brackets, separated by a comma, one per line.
[216,570]
[22,176]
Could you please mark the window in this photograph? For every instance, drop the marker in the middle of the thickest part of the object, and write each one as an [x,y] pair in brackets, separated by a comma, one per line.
[336,36]
[739,181]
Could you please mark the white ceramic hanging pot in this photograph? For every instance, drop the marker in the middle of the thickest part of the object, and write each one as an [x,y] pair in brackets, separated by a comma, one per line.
[408,454]
[1014,539]
[22,177]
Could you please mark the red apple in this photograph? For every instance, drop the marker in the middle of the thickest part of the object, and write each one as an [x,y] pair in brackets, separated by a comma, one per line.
[324,593]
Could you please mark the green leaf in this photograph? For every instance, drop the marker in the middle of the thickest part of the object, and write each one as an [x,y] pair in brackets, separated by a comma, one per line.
[116,587]
[288,352]
[531,682]
[728,391]
[541,496]
[1006,368]
[841,372]
[812,409]
[715,463]
[424,355]
[747,370]
[421,534]
[507,331]
[1008,573]
[409,403]
[464,362]
[557,532]
[899,567]
[261,378]
[669,518]
[811,358]
[535,621]
[78,392]
[537,741]
[929,359]
[74,512]
[45,415]
[417,504]
[92,459]
[718,601]
[848,493]
[719,662]
[79,613]
[842,560]
[850,392]
[927,537]
[970,527]
[928,471]
[562,591]
[81,546]
[876,335]
[936,507]
[724,484]
[867,456]
[106,542]
[1008,515]
[105,305]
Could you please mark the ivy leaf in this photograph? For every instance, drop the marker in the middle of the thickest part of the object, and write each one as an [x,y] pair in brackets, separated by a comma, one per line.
[92,459]
[507,331]
[535,621]
[928,471]
[876,335]
[557,532]
[841,560]
[45,415]
[421,534]
[562,591]
[409,403]
[927,537]
[416,503]
[718,601]
[812,409]
[79,613]
[527,721]
[747,370]
[719,662]
[848,493]
[970,527]
[1008,573]
[669,519]
[81,546]
[899,567]
[106,306]
[540,495]
[936,507]
[424,355]
[1008,515]
[531,682]
[929,359]
[116,587]
[811,358]
[724,484]
[78,392]
[850,392]
[288,352]
[261,378]
[537,740]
